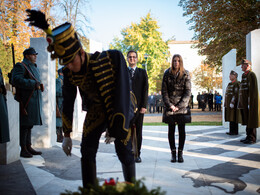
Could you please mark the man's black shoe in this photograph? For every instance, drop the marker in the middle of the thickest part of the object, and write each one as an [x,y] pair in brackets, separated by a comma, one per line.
[248,142]
[243,140]
[138,159]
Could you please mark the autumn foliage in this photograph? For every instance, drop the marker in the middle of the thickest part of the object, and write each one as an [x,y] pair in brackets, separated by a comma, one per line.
[221,26]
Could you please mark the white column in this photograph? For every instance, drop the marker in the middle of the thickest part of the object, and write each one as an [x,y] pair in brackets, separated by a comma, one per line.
[228,64]
[45,135]
[252,54]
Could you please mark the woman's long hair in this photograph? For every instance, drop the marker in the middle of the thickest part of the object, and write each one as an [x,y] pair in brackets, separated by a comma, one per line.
[174,71]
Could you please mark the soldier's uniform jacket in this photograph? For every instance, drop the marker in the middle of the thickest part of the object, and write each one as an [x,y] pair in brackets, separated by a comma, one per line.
[104,80]
[26,84]
[231,97]
[4,125]
[248,101]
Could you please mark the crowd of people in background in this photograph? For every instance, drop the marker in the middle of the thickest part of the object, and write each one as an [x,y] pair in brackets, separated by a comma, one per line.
[205,100]
[155,103]
[210,100]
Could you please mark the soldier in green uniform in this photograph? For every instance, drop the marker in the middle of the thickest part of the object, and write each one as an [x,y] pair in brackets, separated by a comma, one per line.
[232,114]
[4,125]
[248,102]
[26,79]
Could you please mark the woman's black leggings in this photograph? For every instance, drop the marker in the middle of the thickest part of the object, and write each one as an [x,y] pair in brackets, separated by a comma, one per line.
[171,136]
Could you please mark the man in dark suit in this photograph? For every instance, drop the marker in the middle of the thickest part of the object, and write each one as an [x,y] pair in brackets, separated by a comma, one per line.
[140,88]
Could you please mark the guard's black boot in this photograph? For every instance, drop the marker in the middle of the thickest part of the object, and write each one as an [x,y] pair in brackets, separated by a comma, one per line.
[32,151]
[129,172]
[24,153]
[180,158]
[89,175]
[173,156]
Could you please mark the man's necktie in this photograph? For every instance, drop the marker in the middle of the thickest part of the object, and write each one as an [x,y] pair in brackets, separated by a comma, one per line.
[132,72]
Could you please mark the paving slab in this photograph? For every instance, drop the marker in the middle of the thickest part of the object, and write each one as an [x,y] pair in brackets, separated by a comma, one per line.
[214,163]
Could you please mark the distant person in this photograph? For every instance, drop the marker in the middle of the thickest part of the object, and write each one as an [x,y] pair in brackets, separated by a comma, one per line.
[59,100]
[176,92]
[203,100]
[191,101]
[4,122]
[151,102]
[26,79]
[210,101]
[140,89]
[198,99]
[232,114]
[218,100]
[214,100]
[249,102]
[159,102]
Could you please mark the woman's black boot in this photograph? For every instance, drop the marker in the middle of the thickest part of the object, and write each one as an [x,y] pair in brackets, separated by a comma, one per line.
[173,156]
[180,158]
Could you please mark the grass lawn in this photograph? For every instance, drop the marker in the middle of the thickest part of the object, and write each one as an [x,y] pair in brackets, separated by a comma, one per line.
[206,123]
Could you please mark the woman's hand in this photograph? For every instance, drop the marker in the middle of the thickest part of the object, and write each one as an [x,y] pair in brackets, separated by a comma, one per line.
[174,108]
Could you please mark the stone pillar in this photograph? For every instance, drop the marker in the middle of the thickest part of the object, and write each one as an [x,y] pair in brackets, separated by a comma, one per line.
[252,54]
[228,64]
[10,151]
[45,135]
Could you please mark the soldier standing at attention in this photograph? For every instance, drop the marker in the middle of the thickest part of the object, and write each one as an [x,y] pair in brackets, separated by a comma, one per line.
[248,102]
[232,114]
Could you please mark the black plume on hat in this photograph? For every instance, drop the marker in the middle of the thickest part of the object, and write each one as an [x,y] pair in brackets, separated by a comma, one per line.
[37,18]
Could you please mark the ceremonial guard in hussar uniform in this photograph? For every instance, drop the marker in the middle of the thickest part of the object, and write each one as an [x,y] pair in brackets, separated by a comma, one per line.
[232,114]
[248,102]
[104,80]
[4,125]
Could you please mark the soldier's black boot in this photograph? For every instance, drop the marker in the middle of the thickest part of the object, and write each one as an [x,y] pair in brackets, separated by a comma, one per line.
[129,172]
[180,158]
[173,156]
[24,152]
[89,175]
[32,151]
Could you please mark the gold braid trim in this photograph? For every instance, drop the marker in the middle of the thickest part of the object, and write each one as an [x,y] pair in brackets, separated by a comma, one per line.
[123,121]
[108,104]
[101,66]
[109,83]
[107,91]
[103,72]
[105,78]
[125,141]
[108,97]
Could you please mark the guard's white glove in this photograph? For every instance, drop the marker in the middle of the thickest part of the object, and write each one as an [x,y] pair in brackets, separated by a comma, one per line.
[231,105]
[67,145]
[109,139]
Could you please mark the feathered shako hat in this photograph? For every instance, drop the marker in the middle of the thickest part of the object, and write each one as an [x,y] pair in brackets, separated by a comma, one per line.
[63,40]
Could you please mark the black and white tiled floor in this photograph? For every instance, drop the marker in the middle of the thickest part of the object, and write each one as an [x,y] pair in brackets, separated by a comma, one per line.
[215,163]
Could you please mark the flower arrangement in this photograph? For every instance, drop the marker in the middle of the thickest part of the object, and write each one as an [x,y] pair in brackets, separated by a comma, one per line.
[113,187]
